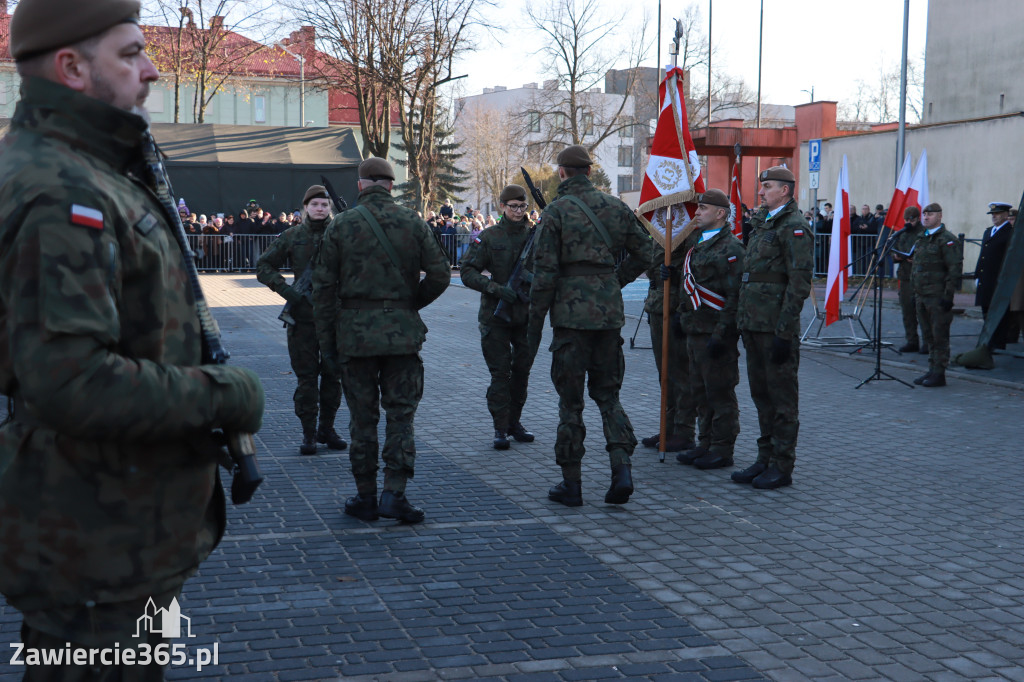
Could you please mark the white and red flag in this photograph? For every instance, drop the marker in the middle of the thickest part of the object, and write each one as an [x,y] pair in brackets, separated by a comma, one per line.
[894,218]
[839,253]
[736,201]
[673,179]
[917,194]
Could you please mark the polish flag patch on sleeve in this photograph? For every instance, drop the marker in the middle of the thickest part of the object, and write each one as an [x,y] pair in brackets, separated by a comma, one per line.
[798,233]
[86,217]
[732,259]
[950,243]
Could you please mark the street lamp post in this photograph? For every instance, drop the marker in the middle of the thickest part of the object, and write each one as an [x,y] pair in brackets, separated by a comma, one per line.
[302,84]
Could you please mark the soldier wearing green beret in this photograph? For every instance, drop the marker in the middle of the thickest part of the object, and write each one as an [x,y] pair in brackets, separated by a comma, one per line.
[298,246]
[505,350]
[902,253]
[109,494]
[776,281]
[367,294]
[938,267]
[575,278]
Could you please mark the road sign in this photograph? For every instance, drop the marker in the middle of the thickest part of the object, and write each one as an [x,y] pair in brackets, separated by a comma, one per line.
[813,177]
[814,155]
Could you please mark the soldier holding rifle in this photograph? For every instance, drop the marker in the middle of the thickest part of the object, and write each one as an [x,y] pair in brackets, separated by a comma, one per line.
[498,250]
[109,493]
[298,245]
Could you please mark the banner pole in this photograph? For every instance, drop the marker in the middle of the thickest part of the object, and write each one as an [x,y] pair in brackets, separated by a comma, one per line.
[665,336]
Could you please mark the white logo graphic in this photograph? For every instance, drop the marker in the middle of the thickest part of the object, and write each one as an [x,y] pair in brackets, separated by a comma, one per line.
[166,622]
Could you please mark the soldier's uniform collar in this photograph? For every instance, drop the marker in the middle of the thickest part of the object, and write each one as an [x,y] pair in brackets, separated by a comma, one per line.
[108,133]
[375,193]
[574,184]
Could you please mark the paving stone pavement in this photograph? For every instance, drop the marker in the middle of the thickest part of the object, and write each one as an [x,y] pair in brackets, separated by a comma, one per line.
[895,555]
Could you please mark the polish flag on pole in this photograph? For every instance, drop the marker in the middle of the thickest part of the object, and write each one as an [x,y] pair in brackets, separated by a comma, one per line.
[737,203]
[839,254]
[673,180]
[917,195]
[894,218]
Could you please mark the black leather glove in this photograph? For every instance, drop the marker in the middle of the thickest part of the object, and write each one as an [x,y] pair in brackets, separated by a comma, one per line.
[667,272]
[716,347]
[676,322]
[946,304]
[508,294]
[780,350]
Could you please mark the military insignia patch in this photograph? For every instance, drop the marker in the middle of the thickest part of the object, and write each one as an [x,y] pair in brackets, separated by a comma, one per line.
[732,259]
[147,223]
[798,233]
[86,217]
[950,243]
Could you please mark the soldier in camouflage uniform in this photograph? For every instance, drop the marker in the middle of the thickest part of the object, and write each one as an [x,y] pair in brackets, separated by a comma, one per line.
[709,294]
[575,278]
[904,242]
[366,296]
[683,408]
[938,267]
[109,493]
[298,246]
[506,352]
[775,282]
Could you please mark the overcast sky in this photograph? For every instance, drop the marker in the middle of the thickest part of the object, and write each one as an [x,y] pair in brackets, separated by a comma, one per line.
[824,44]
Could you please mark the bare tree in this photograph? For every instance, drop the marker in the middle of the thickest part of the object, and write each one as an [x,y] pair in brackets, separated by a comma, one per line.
[493,152]
[879,100]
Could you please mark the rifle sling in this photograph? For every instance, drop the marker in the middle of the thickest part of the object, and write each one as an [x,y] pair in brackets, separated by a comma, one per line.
[378,232]
[593,218]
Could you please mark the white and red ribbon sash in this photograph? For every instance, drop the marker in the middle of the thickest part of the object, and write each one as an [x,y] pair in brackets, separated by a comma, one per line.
[699,294]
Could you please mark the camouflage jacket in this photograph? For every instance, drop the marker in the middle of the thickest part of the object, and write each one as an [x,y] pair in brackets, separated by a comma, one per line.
[938,265]
[296,245]
[656,289]
[568,243]
[354,280]
[496,250]
[905,241]
[102,496]
[715,264]
[781,250]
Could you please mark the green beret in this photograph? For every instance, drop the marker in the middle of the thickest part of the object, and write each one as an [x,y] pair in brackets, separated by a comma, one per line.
[375,168]
[315,192]
[39,26]
[780,173]
[714,197]
[911,212]
[575,156]
[932,208]
[512,192]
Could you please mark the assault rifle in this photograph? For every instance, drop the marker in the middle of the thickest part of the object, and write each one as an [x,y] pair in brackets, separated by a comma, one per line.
[521,278]
[304,284]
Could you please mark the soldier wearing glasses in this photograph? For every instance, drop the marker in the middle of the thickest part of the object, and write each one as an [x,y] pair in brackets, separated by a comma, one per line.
[506,352]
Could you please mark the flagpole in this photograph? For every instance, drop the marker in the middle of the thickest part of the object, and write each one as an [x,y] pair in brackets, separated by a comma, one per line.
[901,135]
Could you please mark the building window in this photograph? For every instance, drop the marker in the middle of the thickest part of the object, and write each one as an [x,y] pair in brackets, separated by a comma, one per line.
[588,124]
[625,183]
[260,106]
[559,120]
[626,131]
[626,156]
[533,122]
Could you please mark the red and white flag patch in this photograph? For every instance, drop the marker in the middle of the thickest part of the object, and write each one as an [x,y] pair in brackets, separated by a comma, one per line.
[798,233]
[732,259]
[87,217]
[950,243]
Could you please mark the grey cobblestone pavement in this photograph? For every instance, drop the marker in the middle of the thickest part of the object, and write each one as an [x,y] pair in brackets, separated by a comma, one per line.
[896,554]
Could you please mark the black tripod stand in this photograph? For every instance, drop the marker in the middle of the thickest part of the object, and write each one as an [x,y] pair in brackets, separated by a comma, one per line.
[875,270]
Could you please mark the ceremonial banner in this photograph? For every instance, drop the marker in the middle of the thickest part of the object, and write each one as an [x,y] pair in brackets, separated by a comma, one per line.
[839,253]
[672,181]
[894,218]
[917,195]
[736,201]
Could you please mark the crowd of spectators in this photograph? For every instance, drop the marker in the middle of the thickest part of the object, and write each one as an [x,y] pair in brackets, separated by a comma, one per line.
[456,230]
[231,241]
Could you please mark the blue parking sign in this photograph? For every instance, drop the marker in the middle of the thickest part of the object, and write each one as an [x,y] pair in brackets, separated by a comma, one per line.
[814,155]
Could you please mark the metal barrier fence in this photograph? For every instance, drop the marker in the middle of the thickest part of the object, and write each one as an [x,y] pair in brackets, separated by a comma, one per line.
[861,246]
[455,245]
[228,252]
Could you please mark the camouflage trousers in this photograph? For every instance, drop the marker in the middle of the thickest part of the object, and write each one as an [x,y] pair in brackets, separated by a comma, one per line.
[99,627]
[594,358]
[310,399]
[935,324]
[682,408]
[394,382]
[776,392]
[715,382]
[509,361]
[908,304]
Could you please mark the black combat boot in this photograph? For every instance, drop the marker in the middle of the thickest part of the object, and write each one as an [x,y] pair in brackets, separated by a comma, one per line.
[569,493]
[750,473]
[651,441]
[937,378]
[678,443]
[622,485]
[924,377]
[772,478]
[692,455]
[308,446]
[395,506]
[327,435]
[519,432]
[500,440]
[910,347]
[363,506]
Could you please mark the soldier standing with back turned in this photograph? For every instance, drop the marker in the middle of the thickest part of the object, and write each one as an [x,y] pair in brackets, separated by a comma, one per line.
[775,282]
[109,494]
[366,296]
[298,246]
[506,352]
[581,233]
